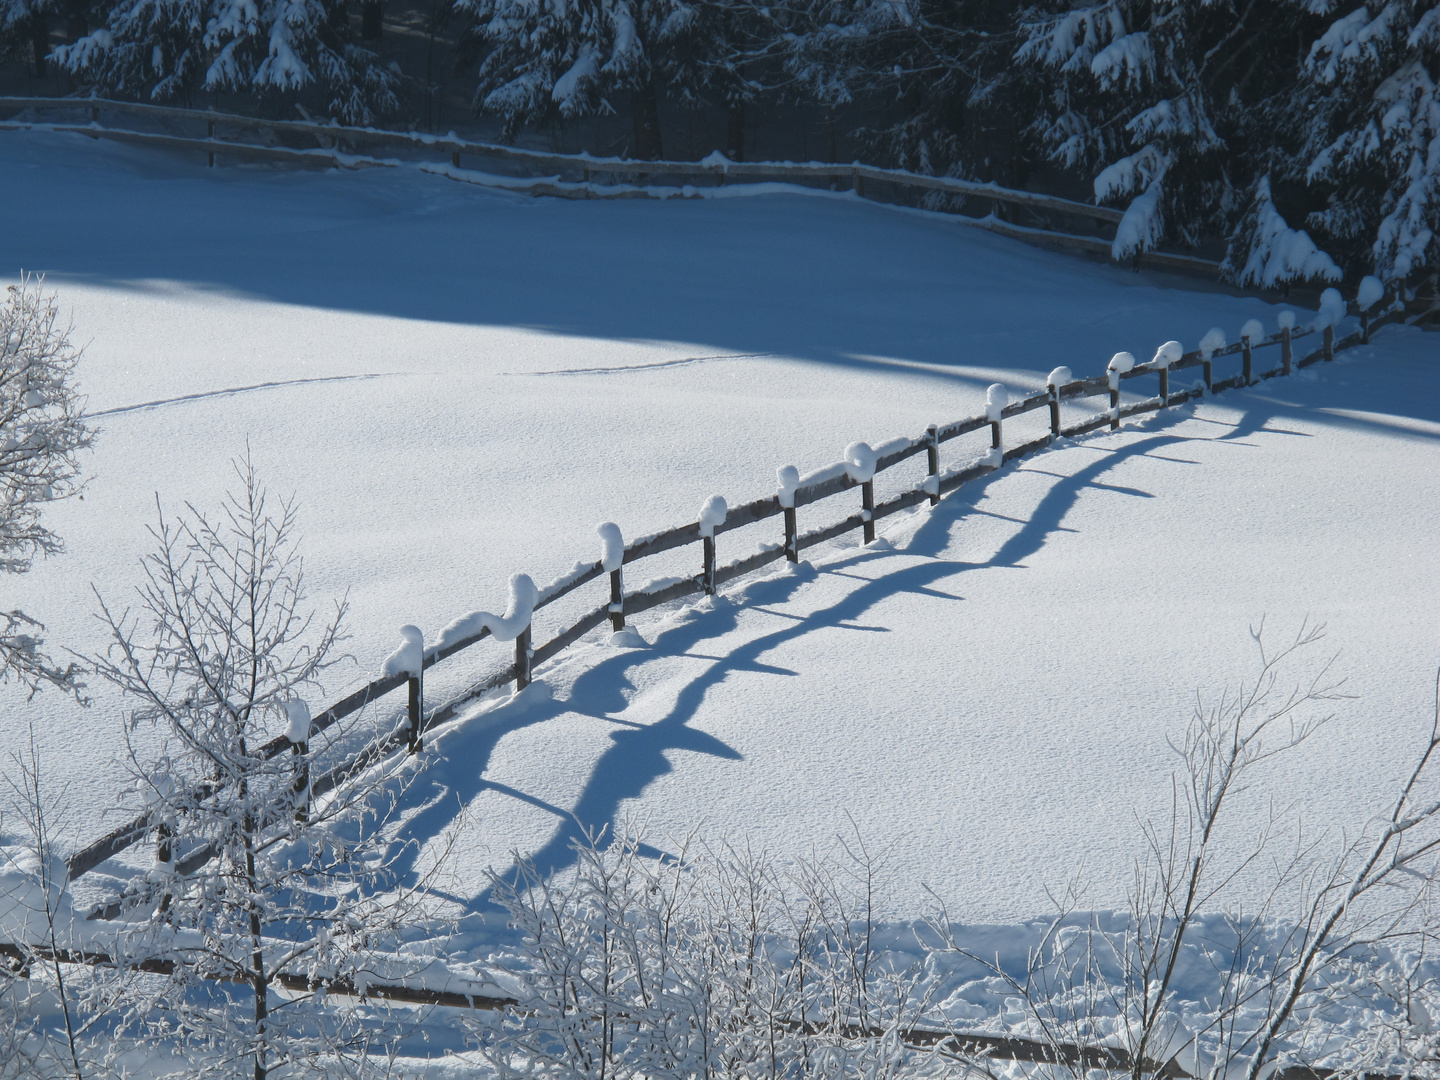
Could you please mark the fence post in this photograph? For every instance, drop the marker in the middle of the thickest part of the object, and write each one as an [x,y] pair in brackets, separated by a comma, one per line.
[1248,357]
[454,159]
[1287,352]
[713,513]
[165,857]
[707,570]
[792,536]
[1164,387]
[867,509]
[1365,327]
[1329,342]
[413,740]
[996,398]
[617,601]
[210,134]
[1119,363]
[932,461]
[301,786]
[523,655]
[859,184]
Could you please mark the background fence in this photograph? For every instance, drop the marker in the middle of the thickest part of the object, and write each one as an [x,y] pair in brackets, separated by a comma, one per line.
[227,136]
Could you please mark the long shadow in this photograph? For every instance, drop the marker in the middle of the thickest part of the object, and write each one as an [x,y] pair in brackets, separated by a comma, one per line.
[638,753]
[636,757]
[599,691]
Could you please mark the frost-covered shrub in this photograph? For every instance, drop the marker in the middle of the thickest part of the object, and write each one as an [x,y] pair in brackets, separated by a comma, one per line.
[716,962]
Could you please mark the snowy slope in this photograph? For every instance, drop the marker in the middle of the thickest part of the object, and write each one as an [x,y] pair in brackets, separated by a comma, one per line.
[990,699]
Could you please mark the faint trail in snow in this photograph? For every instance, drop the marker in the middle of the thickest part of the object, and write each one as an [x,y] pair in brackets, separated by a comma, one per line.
[243,389]
[646,367]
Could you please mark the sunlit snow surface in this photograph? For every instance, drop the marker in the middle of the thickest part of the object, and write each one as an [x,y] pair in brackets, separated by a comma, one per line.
[439,374]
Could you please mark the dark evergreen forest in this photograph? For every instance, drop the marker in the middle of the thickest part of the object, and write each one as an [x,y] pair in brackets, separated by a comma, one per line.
[1300,137]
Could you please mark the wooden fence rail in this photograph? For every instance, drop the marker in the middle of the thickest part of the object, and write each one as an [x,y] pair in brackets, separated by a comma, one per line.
[807,491]
[336,146]
[967,1045]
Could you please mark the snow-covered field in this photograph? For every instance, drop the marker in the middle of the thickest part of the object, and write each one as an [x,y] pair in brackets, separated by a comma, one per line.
[458,384]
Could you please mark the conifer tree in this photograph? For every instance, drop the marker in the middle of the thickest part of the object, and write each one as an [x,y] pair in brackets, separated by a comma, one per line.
[164,49]
[1370,111]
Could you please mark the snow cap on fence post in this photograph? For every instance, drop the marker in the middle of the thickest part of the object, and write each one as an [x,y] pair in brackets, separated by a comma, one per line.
[788,477]
[1253,332]
[1285,320]
[860,462]
[1059,377]
[1167,354]
[297,715]
[1212,342]
[1371,291]
[612,546]
[507,627]
[712,513]
[409,658]
[996,398]
[1120,363]
[1332,309]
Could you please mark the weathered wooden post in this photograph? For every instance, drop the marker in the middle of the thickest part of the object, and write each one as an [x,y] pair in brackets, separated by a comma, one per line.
[1053,382]
[789,478]
[860,467]
[1169,353]
[454,159]
[413,740]
[1287,348]
[612,559]
[1212,342]
[409,660]
[1120,363]
[712,513]
[932,463]
[1332,310]
[298,732]
[1247,354]
[523,657]
[164,860]
[210,134]
[996,398]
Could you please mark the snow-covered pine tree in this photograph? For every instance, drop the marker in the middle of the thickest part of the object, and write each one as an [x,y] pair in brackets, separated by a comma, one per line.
[1159,100]
[1371,113]
[544,60]
[162,49]
[934,78]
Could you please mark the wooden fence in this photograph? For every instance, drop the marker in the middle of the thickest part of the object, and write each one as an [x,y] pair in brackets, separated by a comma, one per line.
[338,146]
[618,604]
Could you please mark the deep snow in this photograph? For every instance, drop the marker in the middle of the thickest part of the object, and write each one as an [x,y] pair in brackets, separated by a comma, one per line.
[458,384]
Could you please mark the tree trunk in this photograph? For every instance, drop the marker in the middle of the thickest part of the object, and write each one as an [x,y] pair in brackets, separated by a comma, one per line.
[77,21]
[735,131]
[40,41]
[258,982]
[645,107]
[372,19]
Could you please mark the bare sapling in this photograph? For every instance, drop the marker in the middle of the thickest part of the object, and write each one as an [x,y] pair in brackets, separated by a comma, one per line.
[257,908]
